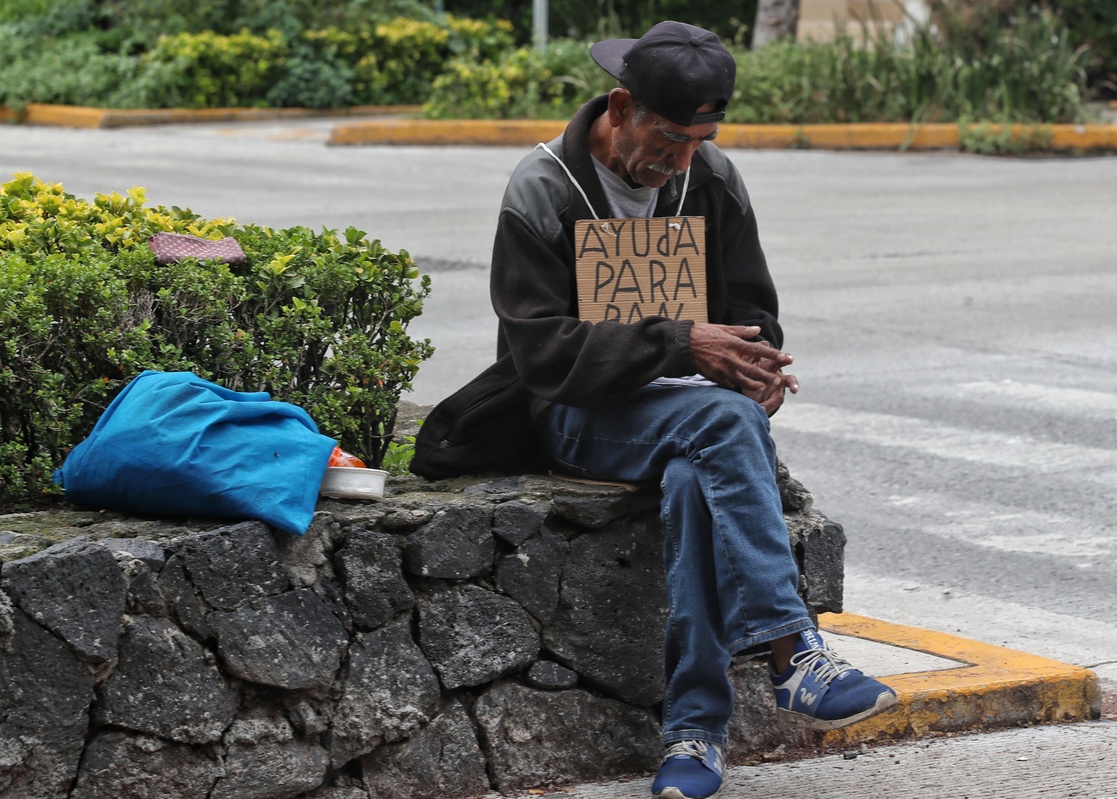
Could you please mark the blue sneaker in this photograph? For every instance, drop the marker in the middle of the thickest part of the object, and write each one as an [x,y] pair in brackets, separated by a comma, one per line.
[823,692]
[690,770]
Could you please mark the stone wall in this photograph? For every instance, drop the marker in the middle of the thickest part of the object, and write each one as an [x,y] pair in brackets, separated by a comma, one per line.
[453,639]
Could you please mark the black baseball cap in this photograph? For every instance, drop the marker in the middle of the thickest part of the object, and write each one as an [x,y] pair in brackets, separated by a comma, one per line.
[673,69]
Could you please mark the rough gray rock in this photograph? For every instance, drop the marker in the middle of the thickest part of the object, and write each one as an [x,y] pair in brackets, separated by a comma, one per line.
[820,548]
[389,690]
[292,640]
[597,504]
[794,496]
[369,566]
[7,622]
[552,738]
[457,543]
[127,766]
[45,694]
[551,676]
[610,618]
[753,726]
[178,593]
[531,575]
[149,552]
[264,760]
[246,552]
[442,761]
[517,521]
[338,792]
[308,558]
[472,636]
[144,598]
[75,590]
[254,663]
[166,685]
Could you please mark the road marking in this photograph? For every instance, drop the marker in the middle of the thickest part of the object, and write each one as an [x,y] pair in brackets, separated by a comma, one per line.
[1070,401]
[1019,530]
[1052,544]
[946,441]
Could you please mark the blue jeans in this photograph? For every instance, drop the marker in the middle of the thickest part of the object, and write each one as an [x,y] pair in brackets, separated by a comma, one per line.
[731,577]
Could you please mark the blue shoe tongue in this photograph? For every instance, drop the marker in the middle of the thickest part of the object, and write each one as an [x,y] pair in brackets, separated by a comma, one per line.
[811,639]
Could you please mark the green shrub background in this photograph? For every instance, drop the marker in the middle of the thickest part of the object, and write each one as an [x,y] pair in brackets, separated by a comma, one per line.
[1028,72]
[371,63]
[974,60]
[318,319]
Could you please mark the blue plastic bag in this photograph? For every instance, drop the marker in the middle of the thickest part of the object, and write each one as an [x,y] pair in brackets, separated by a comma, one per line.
[173,444]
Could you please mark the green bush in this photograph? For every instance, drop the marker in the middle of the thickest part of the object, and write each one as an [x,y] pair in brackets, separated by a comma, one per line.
[317,319]
[374,63]
[65,71]
[214,71]
[599,19]
[521,84]
[838,81]
[1028,72]
[312,77]
[986,139]
[1003,67]
[397,61]
[1093,23]
[991,60]
[149,19]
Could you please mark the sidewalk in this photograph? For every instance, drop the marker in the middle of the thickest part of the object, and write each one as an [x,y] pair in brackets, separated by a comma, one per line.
[1055,762]
[948,688]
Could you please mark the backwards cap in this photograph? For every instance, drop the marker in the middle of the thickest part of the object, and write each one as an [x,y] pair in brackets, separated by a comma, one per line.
[673,69]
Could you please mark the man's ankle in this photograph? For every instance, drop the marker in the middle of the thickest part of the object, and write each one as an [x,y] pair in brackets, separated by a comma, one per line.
[782,650]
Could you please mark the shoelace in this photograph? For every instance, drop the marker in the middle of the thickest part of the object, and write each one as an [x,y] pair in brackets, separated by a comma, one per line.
[823,663]
[688,748]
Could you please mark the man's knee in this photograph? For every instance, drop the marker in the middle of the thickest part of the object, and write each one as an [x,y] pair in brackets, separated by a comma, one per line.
[727,413]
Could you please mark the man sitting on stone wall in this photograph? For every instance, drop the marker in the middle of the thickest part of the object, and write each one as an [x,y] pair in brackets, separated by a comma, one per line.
[653,397]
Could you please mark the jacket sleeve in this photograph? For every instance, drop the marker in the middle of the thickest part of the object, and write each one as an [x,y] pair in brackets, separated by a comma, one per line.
[559,357]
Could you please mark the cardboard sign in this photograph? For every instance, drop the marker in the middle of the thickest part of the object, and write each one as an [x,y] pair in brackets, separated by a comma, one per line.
[629,269]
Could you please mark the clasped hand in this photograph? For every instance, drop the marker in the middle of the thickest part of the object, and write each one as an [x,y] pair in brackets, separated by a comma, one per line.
[724,354]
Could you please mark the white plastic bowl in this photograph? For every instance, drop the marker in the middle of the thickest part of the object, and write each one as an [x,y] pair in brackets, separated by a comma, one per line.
[353,482]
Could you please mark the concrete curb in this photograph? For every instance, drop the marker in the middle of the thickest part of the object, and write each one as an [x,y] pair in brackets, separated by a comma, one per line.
[397,128]
[428,132]
[990,687]
[478,132]
[78,116]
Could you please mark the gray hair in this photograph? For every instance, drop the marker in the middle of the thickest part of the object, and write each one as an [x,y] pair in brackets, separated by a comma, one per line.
[640,112]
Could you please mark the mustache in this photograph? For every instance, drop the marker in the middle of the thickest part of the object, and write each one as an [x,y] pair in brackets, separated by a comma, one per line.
[664,170]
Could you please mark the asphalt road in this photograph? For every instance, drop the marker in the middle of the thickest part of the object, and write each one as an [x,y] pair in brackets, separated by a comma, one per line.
[953,318]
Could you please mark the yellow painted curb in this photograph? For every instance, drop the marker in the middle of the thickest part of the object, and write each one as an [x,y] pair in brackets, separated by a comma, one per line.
[76,116]
[509,132]
[825,137]
[840,137]
[992,686]
[400,129]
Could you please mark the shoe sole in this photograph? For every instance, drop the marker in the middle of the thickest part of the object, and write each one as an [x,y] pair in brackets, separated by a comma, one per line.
[793,719]
[675,793]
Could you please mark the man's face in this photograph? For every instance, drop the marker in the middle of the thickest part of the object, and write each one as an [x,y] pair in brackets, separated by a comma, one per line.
[652,149]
